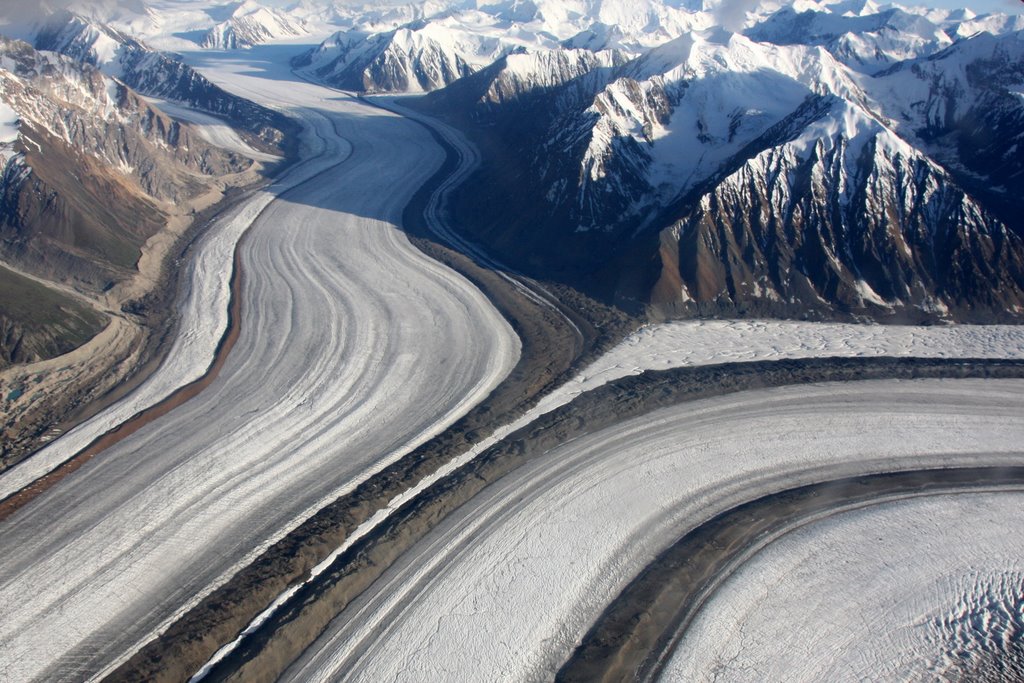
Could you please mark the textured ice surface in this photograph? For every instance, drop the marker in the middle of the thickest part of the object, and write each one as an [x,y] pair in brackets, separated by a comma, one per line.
[705,342]
[504,588]
[702,342]
[353,348]
[921,589]
[679,344]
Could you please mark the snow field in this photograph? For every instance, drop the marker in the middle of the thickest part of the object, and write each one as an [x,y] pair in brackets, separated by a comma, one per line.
[8,133]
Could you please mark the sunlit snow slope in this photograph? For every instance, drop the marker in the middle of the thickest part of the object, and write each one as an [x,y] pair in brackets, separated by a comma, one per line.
[354,347]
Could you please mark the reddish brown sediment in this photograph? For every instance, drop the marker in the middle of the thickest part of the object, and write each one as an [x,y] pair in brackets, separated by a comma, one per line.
[18,500]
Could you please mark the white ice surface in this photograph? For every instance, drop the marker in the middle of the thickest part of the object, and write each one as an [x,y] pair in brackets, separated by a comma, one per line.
[354,348]
[690,343]
[504,588]
[704,342]
[8,133]
[912,590]
[213,130]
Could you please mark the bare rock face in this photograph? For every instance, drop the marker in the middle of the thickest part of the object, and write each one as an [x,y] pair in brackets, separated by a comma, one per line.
[157,74]
[88,169]
[96,115]
[85,138]
[874,229]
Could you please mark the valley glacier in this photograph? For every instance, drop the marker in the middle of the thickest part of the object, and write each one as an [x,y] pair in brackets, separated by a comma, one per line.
[331,345]
[754,151]
[912,589]
[507,586]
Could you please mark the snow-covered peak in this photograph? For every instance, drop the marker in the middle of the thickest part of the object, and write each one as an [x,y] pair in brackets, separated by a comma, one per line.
[26,73]
[855,8]
[995,24]
[87,41]
[251,24]
[65,106]
[1005,48]
[929,98]
[613,24]
[414,58]
[645,21]
[852,127]
[481,31]
[538,70]
[717,53]
[866,40]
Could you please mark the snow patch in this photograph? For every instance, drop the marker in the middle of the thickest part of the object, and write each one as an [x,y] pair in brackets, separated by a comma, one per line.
[212,129]
[9,120]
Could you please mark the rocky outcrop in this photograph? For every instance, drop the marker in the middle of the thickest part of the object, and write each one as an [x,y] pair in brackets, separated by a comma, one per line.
[158,74]
[89,171]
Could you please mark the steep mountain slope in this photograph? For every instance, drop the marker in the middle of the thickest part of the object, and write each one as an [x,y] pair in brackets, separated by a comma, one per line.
[249,25]
[89,169]
[444,43]
[410,59]
[38,322]
[157,74]
[715,173]
[524,81]
[863,222]
[867,43]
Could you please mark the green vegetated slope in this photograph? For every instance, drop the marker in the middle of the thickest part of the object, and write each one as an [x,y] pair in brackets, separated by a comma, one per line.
[37,322]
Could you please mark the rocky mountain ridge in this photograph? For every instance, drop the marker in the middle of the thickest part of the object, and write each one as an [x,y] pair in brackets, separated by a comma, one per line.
[157,74]
[251,24]
[89,171]
[624,143]
[641,176]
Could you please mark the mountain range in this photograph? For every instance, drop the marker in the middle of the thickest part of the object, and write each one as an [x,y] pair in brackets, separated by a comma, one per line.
[813,159]
[822,160]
